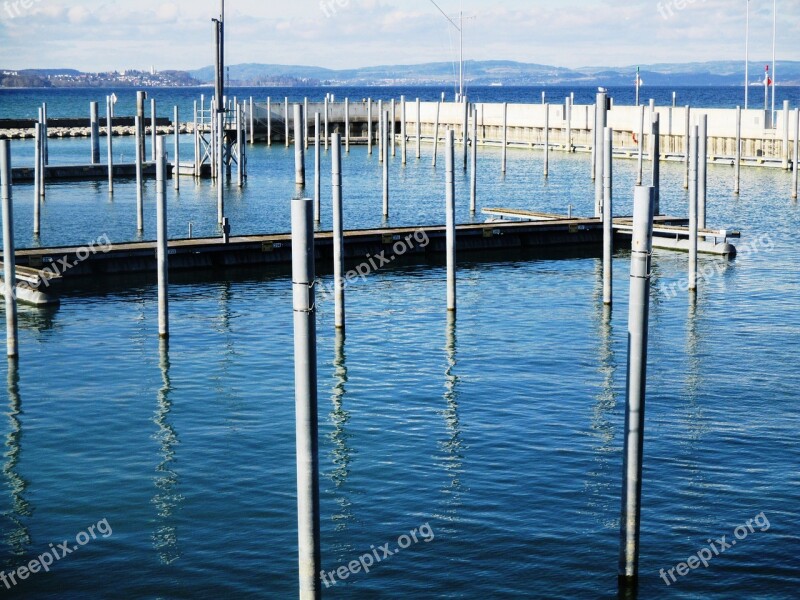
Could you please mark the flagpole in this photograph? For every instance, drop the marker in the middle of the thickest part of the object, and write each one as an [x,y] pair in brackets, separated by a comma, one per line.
[747,58]
[774,36]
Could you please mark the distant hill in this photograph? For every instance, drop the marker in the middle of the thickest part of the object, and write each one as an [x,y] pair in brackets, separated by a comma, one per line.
[717,73]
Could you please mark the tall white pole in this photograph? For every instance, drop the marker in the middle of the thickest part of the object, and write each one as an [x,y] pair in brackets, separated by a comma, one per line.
[338,232]
[109,143]
[403,127]
[317,173]
[419,130]
[385,151]
[504,159]
[796,156]
[369,125]
[702,172]
[162,239]
[306,419]
[9,259]
[37,179]
[774,38]
[738,158]
[640,164]
[299,154]
[436,133]
[473,194]
[139,191]
[638,328]
[608,226]
[693,188]
[450,221]
[546,140]
[176,170]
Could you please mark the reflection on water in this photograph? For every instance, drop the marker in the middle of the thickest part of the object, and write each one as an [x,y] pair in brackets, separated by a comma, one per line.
[342,453]
[453,447]
[693,419]
[598,482]
[167,499]
[17,537]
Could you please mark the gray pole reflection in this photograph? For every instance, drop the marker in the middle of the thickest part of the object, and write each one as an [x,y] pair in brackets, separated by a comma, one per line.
[342,453]
[17,537]
[167,499]
[600,498]
[693,416]
[453,447]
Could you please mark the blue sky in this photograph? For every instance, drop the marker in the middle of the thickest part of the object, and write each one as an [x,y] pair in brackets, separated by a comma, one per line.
[109,35]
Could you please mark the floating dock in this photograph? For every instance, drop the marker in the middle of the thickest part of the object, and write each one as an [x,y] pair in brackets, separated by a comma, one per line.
[49,270]
[86,172]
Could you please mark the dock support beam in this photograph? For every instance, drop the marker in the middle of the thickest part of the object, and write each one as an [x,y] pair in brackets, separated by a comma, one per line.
[338,232]
[139,191]
[608,215]
[306,420]
[600,125]
[403,127]
[110,145]
[9,259]
[299,154]
[693,189]
[638,316]
[94,125]
[239,147]
[162,239]
[450,221]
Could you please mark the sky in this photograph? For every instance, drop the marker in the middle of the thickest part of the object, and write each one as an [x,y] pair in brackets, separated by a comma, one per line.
[106,35]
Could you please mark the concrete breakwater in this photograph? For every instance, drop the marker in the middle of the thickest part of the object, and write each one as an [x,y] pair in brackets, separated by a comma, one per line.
[63,128]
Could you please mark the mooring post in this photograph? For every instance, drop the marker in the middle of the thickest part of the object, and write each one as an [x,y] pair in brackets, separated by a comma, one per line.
[593,162]
[450,221]
[693,189]
[306,420]
[504,155]
[385,134]
[608,215]
[785,152]
[392,121]
[436,133]
[600,125]
[403,127]
[37,179]
[139,191]
[269,121]
[473,186]
[702,172]
[465,138]
[221,143]
[381,137]
[327,134]
[110,145]
[655,146]
[94,125]
[640,144]
[347,125]
[239,146]
[419,130]
[45,142]
[796,157]
[44,150]
[252,120]
[162,239]
[153,128]
[176,169]
[305,123]
[546,139]
[299,154]
[338,232]
[196,139]
[638,318]
[737,161]
[568,119]
[369,125]
[686,142]
[286,120]
[317,173]
[9,259]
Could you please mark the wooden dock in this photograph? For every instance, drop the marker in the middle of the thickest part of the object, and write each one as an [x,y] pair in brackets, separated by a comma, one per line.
[86,172]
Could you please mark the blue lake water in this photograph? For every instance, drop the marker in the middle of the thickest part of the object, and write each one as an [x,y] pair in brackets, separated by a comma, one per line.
[501,430]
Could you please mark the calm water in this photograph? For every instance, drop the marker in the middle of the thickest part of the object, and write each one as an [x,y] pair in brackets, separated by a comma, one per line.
[501,431]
